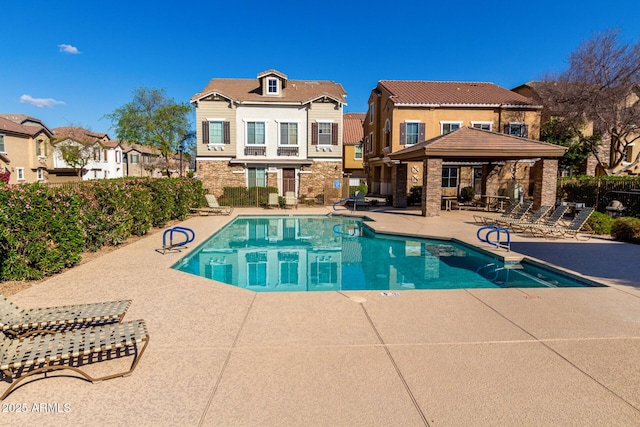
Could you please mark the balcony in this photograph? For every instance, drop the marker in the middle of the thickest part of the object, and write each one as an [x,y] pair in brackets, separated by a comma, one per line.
[255,151]
[287,151]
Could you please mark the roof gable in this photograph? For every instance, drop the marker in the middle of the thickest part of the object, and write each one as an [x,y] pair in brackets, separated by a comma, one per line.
[293,92]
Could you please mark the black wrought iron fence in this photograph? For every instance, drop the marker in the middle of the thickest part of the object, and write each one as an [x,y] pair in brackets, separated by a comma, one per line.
[599,193]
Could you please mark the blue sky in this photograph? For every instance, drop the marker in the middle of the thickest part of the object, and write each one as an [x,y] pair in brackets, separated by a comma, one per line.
[71,62]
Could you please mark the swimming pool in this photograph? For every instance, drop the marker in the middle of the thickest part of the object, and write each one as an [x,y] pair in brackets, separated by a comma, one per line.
[329,253]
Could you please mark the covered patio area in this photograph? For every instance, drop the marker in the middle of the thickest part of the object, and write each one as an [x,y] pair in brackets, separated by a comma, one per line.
[490,149]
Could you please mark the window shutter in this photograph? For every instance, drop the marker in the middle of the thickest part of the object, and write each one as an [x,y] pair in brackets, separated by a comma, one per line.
[403,133]
[205,132]
[506,129]
[421,131]
[314,133]
[226,133]
[334,134]
[525,131]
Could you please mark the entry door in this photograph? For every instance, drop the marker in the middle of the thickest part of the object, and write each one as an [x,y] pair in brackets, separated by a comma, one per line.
[288,180]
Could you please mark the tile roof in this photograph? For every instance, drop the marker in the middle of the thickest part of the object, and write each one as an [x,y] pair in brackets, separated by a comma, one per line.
[420,92]
[352,131]
[296,91]
[78,134]
[8,125]
[146,149]
[467,142]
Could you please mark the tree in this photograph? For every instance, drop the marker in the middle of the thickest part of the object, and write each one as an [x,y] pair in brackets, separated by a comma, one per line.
[76,155]
[556,132]
[153,119]
[601,85]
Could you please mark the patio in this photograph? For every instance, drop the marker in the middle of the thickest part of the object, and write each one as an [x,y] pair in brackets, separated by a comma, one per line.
[223,356]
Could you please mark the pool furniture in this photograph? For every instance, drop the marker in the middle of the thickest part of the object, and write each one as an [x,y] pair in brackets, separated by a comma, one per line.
[15,322]
[290,200]
[274,201]
[518,212]
[213,207]
[515,224]
[551,221]
[572,230]
[74,350]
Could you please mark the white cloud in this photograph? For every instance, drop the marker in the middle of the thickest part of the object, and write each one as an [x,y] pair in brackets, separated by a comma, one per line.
[67,48]
[39,102]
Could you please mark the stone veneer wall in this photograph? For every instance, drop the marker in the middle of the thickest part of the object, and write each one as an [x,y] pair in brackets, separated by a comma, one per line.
[323,174]
[545,176]
[217,174]
[399,185]
[432,187]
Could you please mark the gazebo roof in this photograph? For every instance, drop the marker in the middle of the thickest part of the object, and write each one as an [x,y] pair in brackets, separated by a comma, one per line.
[480,145]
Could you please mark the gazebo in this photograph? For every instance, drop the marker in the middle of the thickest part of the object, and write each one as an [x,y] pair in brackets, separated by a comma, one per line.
[475,145]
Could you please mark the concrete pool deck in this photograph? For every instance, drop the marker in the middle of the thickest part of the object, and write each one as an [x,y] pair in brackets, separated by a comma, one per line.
[224,356]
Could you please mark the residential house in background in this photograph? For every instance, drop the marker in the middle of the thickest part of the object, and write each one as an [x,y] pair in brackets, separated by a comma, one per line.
[404,113]
[141,160]
[97,155]
[25,148]
[270,131]
[352,141]
[543,93]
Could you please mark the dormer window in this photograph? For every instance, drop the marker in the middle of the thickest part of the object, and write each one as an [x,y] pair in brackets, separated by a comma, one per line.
[272,86]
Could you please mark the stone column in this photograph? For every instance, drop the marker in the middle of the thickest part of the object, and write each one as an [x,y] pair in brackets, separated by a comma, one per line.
[545,178]
[399,185]
[431,187]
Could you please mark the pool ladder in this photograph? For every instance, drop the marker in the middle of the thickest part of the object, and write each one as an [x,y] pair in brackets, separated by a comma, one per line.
[494,229]
[168,245]
[491,274]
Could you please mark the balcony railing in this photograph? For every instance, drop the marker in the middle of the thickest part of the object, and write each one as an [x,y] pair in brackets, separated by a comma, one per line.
[287,151]
[255,151]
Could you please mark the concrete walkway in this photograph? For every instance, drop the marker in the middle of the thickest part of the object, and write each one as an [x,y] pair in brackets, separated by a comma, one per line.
[224,356]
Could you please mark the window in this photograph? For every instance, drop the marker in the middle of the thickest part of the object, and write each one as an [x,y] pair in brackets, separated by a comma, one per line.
[412,133]
[104,155]
[2,143]
[134,158]
[371,147]
[96,154]
[387,133]
[371,113]
[272,86]
[255,133]
[627,155]
[516,129]
[288,134]
[482,125]
[256,177]
[20,174]
[357,152]
[449,177]
[118,156]
[41,148]
[446,127]
[324,133]
[216,131]
[40,175]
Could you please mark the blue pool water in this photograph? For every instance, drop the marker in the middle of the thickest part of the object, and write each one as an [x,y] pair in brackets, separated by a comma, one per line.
[328,253]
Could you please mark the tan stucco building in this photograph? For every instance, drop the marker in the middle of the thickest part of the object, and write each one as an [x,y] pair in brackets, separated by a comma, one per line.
[404,113]
[25,148]
[269,131]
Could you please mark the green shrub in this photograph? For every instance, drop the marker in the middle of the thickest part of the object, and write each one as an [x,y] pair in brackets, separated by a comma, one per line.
[415,195]
[626,229]
[45,229]
[467,194]
[600,223]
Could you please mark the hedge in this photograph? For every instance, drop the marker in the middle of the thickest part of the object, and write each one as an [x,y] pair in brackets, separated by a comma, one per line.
[45,229]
